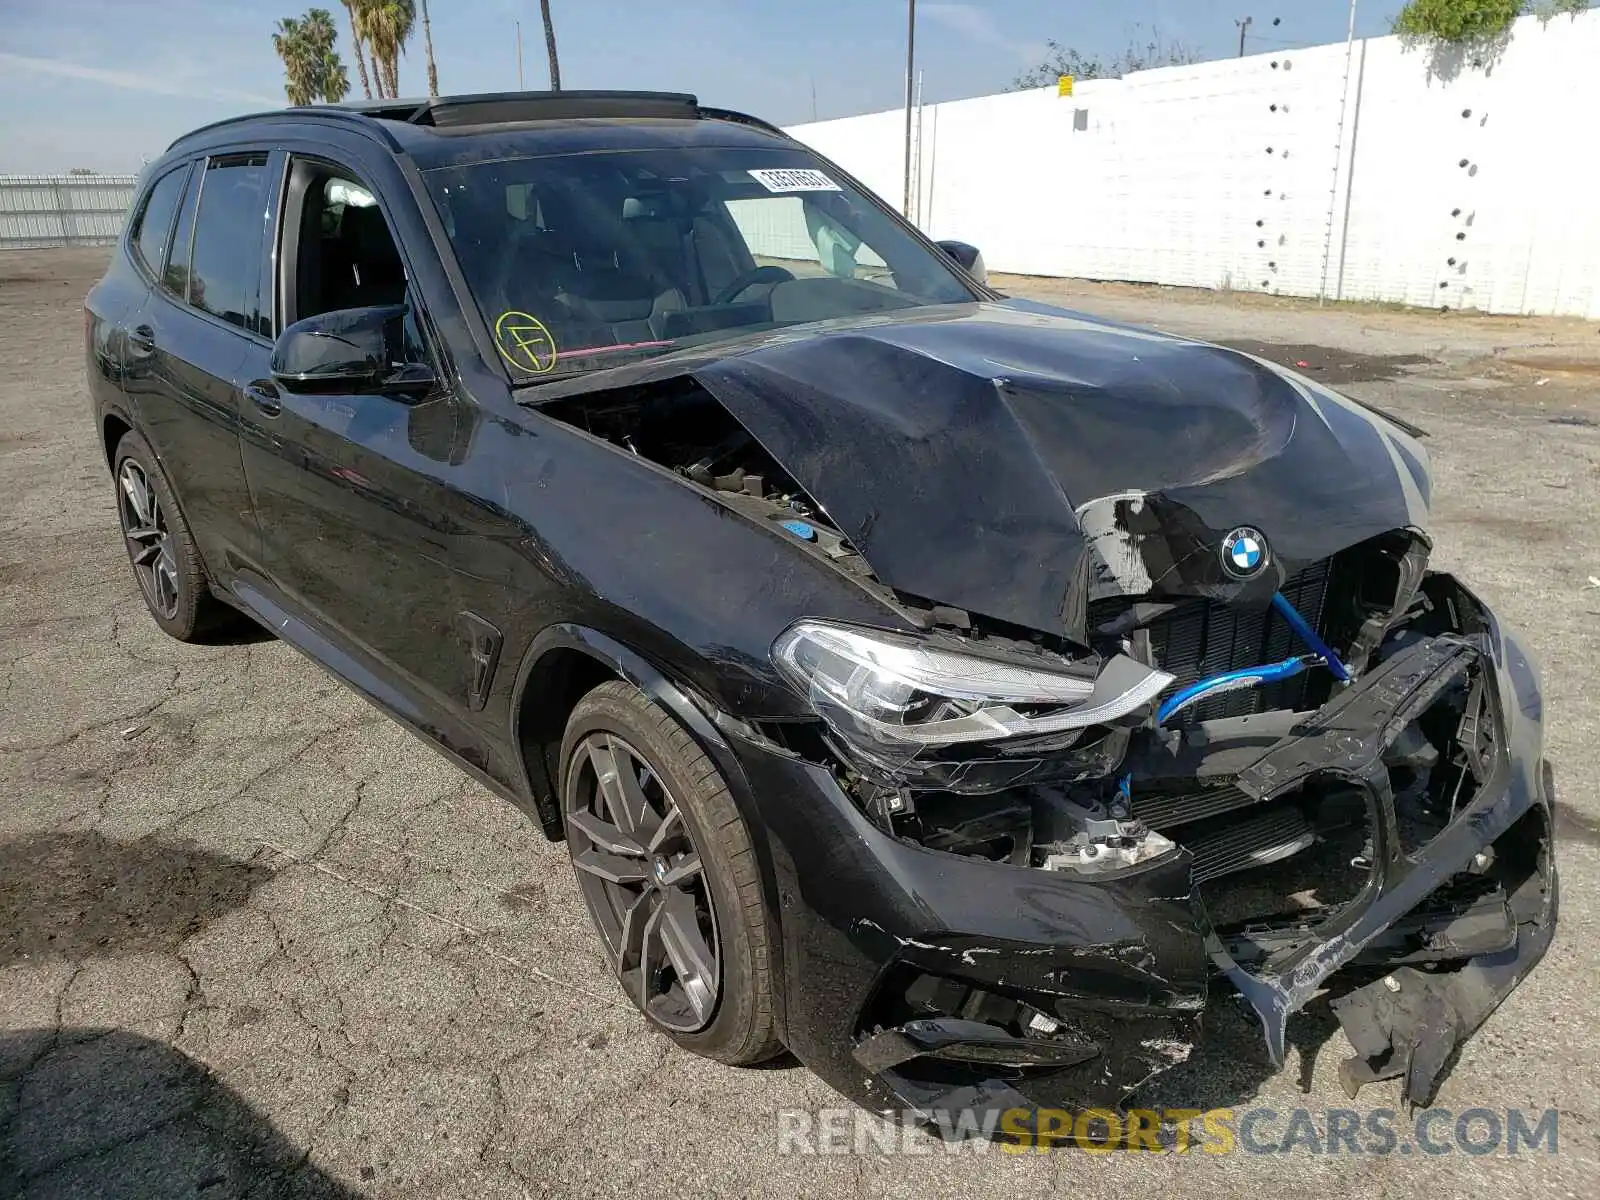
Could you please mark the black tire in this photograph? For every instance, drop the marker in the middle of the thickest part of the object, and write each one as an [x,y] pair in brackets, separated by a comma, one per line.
[742,1030]
[175,589]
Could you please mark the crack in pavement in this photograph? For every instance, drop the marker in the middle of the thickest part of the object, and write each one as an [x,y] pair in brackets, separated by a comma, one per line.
[461,926]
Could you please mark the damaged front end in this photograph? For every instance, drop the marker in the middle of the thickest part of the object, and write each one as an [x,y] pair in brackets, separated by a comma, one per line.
[1392,829]
[1105,859]
[1097,758]
[1396,831]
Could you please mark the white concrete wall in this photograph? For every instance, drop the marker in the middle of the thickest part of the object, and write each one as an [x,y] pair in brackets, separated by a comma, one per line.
[1223,174]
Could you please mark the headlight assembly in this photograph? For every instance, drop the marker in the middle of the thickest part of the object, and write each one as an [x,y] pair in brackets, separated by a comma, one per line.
[900,693]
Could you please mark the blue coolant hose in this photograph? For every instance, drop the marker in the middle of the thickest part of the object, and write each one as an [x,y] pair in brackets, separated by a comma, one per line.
[1249,677]
[1312,639]
[1232,681]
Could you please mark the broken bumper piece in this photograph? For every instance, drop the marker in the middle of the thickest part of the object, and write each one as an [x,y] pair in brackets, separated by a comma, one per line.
[924,979]
[1411,1025]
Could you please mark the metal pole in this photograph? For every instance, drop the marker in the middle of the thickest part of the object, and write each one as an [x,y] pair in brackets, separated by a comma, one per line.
[1338,154]
[917,174]
[1350,175]
[519,56]
[911,58]
[1243,25]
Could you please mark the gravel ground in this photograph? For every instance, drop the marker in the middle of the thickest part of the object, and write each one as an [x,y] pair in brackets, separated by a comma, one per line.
[255,940]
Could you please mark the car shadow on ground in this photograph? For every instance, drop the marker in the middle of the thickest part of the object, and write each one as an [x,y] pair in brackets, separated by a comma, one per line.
[235,629]
[88,1111]
[107,1113]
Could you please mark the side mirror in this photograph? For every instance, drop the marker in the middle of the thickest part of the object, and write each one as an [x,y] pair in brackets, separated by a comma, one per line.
[970,259]
[349,350]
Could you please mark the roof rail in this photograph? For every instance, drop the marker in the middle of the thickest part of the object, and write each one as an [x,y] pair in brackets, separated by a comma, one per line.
[493,108]
[333,111]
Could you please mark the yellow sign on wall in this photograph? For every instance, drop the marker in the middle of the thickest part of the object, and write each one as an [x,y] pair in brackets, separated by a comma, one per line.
[1064,86]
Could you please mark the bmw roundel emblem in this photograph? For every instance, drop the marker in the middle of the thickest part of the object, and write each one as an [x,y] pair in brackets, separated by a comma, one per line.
[1244,552]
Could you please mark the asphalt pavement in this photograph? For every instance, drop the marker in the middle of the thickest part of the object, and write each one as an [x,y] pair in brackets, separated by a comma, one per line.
[255,940]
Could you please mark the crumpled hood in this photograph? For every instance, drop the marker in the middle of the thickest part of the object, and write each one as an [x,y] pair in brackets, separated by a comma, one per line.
[1018,461]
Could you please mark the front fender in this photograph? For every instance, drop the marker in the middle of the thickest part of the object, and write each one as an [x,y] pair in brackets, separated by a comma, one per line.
[699,717]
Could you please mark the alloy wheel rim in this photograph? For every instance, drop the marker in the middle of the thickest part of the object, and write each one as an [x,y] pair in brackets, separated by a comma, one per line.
[642,880]
[144,526]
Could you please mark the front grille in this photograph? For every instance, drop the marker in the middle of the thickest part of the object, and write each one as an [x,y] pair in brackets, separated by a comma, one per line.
[1207,637]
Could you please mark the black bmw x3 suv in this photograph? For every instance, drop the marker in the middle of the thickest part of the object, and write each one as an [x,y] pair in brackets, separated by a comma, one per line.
[947,687]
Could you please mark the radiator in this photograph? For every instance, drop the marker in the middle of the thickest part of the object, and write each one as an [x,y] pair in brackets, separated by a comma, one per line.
[1208,637]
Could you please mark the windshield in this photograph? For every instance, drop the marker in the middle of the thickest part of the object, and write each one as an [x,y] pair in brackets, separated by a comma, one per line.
[584,261]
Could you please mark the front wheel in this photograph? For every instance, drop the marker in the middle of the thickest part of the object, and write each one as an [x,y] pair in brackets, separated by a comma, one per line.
[666,869]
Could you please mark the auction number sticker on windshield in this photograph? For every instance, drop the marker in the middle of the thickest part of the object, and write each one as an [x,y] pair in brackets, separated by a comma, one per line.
[794,179]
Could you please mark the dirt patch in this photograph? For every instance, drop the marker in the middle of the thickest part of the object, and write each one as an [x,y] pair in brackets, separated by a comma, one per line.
[82,895]
[53,265]
[1518,529]
[1589,367]
[17,441]
[1330,365]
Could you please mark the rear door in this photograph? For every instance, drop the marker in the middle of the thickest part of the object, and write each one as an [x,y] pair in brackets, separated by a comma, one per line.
[201,329]
[122,293]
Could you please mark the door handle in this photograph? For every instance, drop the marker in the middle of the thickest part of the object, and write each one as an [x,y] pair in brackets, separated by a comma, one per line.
[264,396]
[143,339]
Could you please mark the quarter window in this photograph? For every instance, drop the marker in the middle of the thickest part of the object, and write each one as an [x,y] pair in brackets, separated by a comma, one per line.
[155,219]
[176,276]
[227,239]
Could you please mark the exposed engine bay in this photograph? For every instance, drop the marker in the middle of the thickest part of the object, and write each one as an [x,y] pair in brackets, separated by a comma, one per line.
[684,429]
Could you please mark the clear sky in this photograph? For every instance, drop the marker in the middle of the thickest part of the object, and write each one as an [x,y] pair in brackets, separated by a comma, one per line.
[105,84]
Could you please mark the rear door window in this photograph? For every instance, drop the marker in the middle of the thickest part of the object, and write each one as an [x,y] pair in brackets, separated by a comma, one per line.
[155,219]
[228,230]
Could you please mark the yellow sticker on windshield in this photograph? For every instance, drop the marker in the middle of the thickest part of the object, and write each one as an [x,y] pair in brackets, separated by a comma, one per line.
[524,342]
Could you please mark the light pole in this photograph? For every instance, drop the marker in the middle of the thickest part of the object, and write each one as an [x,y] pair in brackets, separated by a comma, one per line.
[1243,25]
[911,58]
[1338,155]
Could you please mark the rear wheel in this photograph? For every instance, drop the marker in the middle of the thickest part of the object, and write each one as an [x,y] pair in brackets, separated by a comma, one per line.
[165,561]
[666,869]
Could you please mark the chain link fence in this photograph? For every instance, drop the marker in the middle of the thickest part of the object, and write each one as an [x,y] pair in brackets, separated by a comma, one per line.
[63,210]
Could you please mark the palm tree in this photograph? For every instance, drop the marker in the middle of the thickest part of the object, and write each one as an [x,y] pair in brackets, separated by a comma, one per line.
[550,46]
[290,43]
[312,67]
[427,42]
[329,80]
[389,25]
[356,11]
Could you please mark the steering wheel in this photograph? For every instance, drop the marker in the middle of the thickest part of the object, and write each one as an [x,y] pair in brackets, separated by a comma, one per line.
[748,279]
